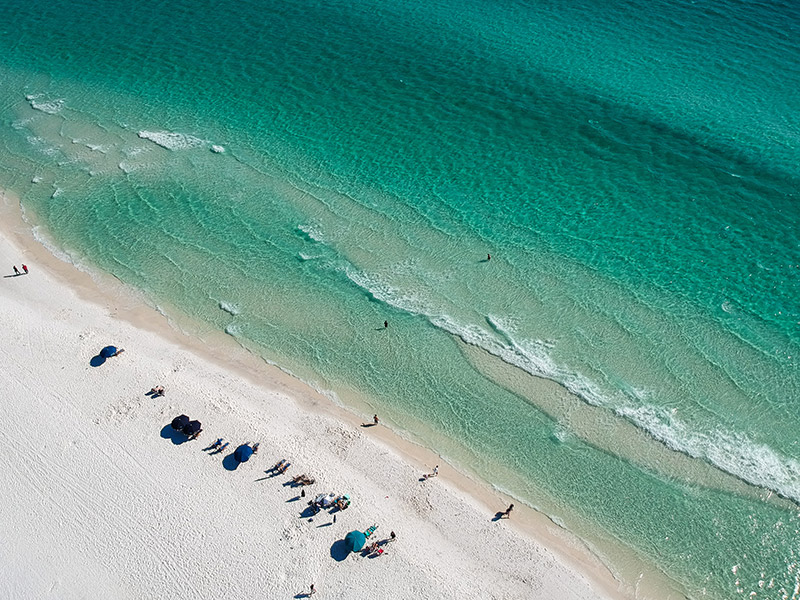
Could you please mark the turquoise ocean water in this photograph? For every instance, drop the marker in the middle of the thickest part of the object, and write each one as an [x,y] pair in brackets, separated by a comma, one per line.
[296,173]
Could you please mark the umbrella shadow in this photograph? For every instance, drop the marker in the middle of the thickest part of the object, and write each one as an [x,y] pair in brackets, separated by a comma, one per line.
[339,551]
[170,433]
[97,360]
[308,512]
[230,462]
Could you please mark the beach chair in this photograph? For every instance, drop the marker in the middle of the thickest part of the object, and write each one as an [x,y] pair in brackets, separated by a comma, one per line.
[370,531]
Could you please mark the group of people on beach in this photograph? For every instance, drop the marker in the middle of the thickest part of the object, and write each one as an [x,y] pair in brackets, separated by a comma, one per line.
[17,272]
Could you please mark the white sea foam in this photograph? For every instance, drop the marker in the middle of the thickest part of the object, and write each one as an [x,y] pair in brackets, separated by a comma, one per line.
[56,192]
[36,179]
[172,140]
[217,149]
[22,123]
[312,232]
[42,145]
[734,453]
[229,308]
[233,330]
[127,167]
[41,103]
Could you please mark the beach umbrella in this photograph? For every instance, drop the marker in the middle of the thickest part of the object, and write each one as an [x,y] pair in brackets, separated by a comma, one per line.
[355,540]
[192,427]
[243,453]
[178,423]
[108,351]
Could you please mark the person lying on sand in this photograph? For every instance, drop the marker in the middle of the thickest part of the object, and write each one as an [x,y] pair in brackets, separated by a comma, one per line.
[157,391]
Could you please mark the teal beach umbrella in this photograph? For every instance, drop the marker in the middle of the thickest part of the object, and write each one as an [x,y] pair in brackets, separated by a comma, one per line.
[355,541]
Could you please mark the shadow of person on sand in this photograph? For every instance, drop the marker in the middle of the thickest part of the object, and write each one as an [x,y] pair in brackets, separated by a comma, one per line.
[499,515]
[339,551]
[170,433]
[230,462]
[303,595]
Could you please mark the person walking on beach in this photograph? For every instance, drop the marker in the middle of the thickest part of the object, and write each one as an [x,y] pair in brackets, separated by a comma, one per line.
[375,419]
[508,511]
[16,270]
[25,268]
[313,591]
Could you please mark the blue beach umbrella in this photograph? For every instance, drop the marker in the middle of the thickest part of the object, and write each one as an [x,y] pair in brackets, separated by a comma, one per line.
[355,541]
[192,427]
[179,422]
[108,351]
[243,453]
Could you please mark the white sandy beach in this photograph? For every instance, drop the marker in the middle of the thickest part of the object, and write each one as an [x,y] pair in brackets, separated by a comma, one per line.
[100,499]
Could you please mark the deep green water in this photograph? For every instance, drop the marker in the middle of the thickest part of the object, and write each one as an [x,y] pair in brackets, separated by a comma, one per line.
[296,173]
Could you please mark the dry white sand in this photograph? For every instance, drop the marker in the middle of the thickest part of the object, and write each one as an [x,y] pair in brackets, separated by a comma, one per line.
[100,499]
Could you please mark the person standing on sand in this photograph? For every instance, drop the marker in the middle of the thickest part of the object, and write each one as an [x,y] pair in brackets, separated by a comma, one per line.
[508,511]
[313,591]
[375,419]
[16,270]
[25,268]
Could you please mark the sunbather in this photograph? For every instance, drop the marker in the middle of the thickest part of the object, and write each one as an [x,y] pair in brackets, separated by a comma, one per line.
[157,391]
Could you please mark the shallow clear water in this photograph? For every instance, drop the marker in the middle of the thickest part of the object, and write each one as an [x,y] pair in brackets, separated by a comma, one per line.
[297,174]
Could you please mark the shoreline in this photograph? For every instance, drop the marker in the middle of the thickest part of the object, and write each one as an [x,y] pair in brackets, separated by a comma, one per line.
[120,302]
